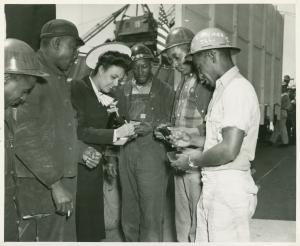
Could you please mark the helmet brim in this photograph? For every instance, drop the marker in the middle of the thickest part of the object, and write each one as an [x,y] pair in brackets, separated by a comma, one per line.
[234,50]
[172,46]
[93,55]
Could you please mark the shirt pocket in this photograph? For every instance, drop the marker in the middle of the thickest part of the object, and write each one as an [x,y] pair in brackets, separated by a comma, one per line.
[215,121]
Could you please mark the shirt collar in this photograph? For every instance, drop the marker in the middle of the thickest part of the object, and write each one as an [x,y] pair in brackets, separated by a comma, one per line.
[105,100]
[95,89]
[227,77]
[148,84]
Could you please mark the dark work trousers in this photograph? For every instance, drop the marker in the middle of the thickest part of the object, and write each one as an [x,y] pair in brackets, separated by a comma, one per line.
[89,204]
[144,178]
[11,220]
[36,199]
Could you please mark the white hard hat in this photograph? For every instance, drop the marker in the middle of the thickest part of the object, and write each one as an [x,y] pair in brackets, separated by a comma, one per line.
[211,38]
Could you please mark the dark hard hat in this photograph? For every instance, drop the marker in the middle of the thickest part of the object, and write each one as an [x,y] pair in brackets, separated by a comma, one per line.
[140,51]
[178,36]
[60,27]
[20,58]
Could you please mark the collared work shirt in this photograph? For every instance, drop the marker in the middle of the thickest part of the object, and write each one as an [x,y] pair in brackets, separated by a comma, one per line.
[191,102]
[234,104]
[187,114]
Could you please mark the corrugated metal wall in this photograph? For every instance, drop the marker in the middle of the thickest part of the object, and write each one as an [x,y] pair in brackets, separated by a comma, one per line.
[258,30]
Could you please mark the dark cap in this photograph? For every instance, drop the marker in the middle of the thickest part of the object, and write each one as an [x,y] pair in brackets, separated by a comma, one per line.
[60,27]
[140,51]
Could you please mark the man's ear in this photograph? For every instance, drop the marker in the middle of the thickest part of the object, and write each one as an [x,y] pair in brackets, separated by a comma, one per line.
[212,54]
[55,43]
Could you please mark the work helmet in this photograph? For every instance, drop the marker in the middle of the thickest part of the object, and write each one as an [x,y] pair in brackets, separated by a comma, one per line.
[140,51]
[211,38]
[20,58]
[178,36]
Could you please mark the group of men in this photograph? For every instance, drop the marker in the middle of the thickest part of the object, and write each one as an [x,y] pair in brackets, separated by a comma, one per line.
[215,131]
[285,126]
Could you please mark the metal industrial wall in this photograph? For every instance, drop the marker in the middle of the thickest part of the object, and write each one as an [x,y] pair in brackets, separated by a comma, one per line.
[258,30]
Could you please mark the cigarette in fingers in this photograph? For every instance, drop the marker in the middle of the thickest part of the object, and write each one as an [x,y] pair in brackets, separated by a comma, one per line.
[68,214]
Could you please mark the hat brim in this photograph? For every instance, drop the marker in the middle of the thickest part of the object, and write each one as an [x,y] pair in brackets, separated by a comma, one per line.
[29,72]
[93,55]
[234,50]
[172,46]
[80,42]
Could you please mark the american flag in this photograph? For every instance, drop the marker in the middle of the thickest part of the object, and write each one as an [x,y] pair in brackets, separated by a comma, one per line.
[162,29]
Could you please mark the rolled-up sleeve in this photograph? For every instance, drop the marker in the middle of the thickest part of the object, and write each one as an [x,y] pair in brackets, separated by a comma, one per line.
[238,104]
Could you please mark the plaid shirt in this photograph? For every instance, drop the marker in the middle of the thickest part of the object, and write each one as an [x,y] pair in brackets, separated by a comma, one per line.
[190,103]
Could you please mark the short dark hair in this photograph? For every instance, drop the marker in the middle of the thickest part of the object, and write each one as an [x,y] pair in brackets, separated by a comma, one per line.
[113,58]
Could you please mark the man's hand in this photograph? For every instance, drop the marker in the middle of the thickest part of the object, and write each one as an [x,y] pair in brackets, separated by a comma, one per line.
[143,129]
[182,137]
[62,199]
[111,171]
[182,161]
[162,132]
[179,137]
[91,157]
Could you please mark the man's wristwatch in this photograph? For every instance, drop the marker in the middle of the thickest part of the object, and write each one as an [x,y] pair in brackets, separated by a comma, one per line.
[191,164]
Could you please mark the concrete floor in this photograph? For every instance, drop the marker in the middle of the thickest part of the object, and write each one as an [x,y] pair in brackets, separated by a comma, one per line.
[274,219]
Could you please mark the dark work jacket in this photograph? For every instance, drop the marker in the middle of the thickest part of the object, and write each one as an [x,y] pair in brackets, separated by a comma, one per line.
[45,139]
[10,212]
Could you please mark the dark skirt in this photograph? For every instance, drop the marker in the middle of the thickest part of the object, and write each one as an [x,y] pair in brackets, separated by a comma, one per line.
[90,226]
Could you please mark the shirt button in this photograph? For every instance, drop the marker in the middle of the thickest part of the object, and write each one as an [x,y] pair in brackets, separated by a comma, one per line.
[178,115]
[70,148]
[152,108]
[69,124]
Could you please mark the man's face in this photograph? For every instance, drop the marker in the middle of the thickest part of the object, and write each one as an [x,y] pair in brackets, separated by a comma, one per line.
[142,71]
[204,67]
[177,55]
[16,89]
[67,53]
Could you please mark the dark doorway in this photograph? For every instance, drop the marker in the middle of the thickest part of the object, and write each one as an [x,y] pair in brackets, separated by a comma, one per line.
[24,22]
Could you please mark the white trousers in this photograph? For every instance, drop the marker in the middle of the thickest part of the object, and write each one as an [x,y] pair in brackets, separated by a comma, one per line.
[227,203]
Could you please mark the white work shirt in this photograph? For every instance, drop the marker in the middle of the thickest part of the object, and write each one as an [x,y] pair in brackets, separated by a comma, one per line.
[234,104]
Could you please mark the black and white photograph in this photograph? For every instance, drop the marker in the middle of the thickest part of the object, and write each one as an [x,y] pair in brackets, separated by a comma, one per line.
[149,122]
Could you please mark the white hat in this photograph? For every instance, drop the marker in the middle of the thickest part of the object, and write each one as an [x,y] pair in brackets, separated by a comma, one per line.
[93,55]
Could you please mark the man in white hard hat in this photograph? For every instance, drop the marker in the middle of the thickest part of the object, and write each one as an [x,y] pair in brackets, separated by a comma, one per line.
[228,198]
